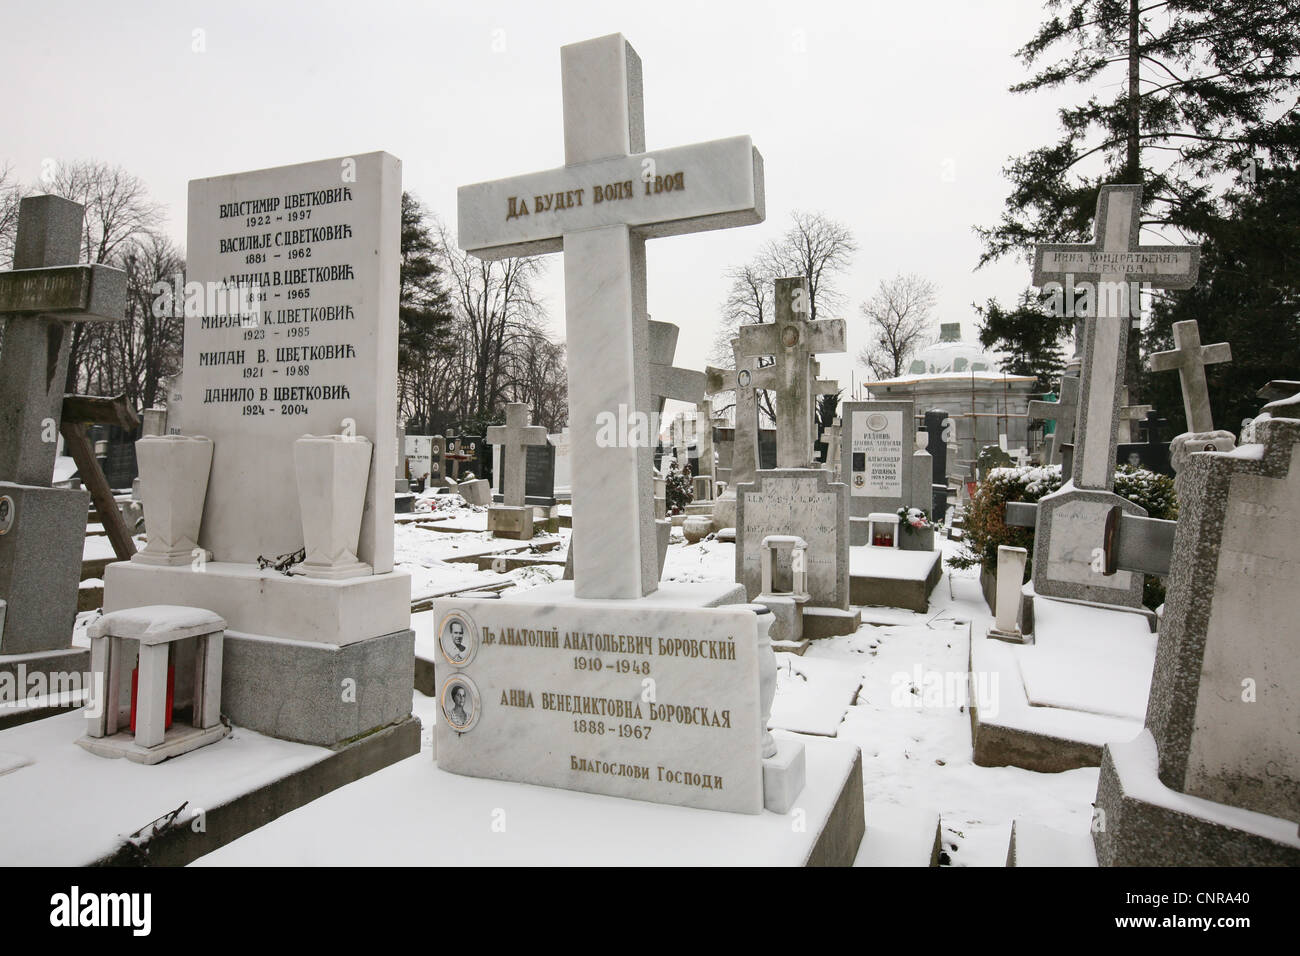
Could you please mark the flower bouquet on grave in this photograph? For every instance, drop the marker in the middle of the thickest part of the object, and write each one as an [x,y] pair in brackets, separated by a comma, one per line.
[912,520]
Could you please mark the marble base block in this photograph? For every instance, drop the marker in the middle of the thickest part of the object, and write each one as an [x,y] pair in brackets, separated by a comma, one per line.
[511,521]
[266,602]
[784,775]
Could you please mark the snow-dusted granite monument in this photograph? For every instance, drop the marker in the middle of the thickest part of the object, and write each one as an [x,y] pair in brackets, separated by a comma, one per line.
[612,684]
[1214,779]
[279,498]
[41,527]
[513,518]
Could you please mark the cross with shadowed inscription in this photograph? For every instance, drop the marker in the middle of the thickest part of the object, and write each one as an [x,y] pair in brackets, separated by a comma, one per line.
[44,294]
[599,209]
[1112,265]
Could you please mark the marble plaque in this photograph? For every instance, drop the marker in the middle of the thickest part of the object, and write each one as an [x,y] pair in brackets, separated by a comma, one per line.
[651,703]
[876,448]
[312,352]
[1075,534]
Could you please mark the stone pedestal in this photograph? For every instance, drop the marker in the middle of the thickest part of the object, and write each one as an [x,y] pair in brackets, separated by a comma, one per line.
[1011,573]
[332,474]
[509,521]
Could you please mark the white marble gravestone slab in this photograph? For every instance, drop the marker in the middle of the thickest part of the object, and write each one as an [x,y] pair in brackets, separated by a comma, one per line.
[660,705]
[321,357]
[876,456]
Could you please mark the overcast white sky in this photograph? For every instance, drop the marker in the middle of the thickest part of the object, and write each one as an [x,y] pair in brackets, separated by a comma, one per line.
[859,110]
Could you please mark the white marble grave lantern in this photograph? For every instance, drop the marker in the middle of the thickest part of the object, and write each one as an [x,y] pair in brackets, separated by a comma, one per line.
[157,631]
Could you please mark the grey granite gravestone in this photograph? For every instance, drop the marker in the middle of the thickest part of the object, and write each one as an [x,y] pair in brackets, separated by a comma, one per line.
[795,501]
[1223,716]
[42,528]
[513,518]
[1113,267]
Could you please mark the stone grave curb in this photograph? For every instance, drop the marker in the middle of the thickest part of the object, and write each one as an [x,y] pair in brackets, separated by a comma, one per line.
[845,826]
[1154,835]
[180,845]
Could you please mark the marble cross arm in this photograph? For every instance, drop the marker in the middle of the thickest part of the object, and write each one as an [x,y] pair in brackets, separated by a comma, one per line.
[1134,543]
[82,293]
[528,435]
[718,380]
[682,384]
[666,192]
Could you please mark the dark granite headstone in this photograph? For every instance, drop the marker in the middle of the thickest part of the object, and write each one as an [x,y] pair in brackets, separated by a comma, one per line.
[767,448]
[938,449]
[1152,454]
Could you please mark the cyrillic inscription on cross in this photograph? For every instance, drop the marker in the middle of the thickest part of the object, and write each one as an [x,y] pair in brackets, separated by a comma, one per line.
[793,341]
[599,209]
[513,438]
[1111,268]
[42,296]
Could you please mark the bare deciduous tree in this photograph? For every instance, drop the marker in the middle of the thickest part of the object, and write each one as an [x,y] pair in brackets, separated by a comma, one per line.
[898,319]
[10,193]
[119,212]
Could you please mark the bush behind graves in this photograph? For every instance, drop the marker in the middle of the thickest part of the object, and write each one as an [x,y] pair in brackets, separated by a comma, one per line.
[986,528]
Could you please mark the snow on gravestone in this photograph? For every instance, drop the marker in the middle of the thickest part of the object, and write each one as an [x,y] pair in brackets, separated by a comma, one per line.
[320,359]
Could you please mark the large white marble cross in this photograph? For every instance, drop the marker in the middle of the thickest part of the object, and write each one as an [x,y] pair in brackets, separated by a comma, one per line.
[513,438]
[1112,266]
[793,341]
[1190,357]
[599,209]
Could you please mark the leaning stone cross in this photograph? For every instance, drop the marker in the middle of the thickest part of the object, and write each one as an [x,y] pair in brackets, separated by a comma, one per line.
[1113,264]
[41,297]
[599,208]
[513,438]
[1190,357]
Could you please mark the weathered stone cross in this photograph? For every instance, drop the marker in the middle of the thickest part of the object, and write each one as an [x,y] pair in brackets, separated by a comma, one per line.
[741,380]
[42,296]
[666,380]
[1064,411]
[1128,414]
[1190,357]
[793,341]
[513,438]
[1112,265]
[599,209]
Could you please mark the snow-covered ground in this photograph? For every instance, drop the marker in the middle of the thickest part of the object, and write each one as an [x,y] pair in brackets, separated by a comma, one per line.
[876,688]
